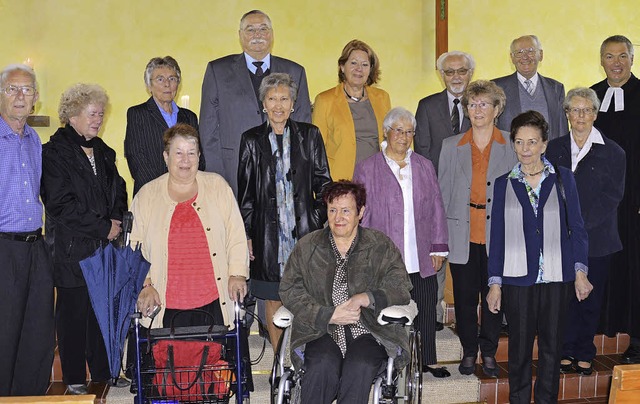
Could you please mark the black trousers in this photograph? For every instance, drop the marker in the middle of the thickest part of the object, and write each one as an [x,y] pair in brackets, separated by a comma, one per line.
[470,282]
[328,376]
[26,317]
[538,309]
[80,340]
[583,317]
[425,294]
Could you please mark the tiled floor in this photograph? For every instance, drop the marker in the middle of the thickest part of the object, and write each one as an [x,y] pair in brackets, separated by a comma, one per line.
[573,387]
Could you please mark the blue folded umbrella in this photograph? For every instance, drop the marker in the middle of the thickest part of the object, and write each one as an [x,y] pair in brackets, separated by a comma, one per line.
[114,277]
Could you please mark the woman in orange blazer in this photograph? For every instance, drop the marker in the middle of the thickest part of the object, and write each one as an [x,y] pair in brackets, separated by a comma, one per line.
[350,115]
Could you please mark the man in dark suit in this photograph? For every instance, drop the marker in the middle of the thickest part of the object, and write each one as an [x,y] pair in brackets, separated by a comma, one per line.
[439,116]
[526,89]
[230,104]
[619,119]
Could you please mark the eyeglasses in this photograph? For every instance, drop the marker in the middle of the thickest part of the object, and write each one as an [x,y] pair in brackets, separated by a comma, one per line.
[519,54]
[577,111]
[482,105]
[452,72]
[253,31]
[399,131]
[170,79]
[27,91]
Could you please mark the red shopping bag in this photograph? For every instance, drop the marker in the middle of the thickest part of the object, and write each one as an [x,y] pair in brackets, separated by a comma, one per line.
[188,370]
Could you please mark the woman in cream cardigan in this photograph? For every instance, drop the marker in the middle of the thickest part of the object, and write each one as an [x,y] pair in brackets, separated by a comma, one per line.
[191,231]
[350,115]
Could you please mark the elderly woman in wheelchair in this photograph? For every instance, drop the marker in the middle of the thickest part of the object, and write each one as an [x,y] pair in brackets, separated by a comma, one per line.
[336,284]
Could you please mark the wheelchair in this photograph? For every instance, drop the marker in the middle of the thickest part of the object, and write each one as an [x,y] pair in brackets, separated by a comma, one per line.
[390,386]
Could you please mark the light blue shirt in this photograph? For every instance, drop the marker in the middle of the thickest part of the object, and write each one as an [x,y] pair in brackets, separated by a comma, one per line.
[20,171]
[266,63]
[170,118]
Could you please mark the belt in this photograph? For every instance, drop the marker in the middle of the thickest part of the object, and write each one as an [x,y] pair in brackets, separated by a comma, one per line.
[26,237]
[477,206]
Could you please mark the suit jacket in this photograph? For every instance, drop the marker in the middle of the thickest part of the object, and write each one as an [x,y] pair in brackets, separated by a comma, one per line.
[574,249]
[331,113]
[553,93]
[434,125]
[385,206]
[454,176]
[143,144]
[257,191]
[600,181]
[229,108]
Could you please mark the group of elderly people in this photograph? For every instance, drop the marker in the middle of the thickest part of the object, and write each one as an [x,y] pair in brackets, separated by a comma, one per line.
[511,211]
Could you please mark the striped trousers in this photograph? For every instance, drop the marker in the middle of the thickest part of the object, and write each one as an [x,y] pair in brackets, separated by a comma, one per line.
[425,294]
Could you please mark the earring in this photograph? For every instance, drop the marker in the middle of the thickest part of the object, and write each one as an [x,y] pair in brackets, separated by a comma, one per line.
[293,109]
[264,110]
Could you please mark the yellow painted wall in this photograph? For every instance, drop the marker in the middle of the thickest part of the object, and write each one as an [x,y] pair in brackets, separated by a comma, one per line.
[109,42]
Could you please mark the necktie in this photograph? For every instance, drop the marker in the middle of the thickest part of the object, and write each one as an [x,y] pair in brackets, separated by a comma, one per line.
[259,71]
[455,117]
[528,85]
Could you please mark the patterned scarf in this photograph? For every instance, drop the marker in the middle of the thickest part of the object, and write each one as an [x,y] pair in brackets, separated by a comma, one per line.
[284,197]
[340,294]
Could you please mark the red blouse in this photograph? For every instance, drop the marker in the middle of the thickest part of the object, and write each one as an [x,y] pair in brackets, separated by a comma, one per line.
[191,277]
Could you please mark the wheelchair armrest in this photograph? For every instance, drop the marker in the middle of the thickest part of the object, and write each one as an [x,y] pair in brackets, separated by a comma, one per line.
[398,314]
[283,317]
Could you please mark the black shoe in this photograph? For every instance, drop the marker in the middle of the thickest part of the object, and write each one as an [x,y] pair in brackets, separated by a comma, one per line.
[439,326]
[468,365]
[567,367]
[120,383]
[584,371]
[436,372]
[77,389]
[489,366]
[631,355]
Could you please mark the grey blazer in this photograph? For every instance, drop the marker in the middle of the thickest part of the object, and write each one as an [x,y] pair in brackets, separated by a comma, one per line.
[229,108]
[553,93]
[434,125]
[454,176]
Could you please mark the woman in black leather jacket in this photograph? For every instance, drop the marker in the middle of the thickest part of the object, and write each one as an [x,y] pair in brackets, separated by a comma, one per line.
[282,172]
[84,199]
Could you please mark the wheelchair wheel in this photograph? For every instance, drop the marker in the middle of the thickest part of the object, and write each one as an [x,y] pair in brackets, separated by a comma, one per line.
[283,384]
[413,375]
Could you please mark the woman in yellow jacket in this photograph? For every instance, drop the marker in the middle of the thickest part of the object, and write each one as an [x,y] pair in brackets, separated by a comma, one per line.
[350,115]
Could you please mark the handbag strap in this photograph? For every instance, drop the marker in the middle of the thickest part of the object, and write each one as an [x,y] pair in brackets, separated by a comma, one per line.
[172,328]
[172,366]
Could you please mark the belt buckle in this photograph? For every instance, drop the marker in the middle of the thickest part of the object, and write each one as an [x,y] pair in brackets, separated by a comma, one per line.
[31,238]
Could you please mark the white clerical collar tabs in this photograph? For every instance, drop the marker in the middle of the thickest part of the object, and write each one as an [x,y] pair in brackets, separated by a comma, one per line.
[617,93]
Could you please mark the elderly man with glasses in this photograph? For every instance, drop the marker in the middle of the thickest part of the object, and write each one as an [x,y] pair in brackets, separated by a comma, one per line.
[230,104]
[526,89]
[26,290]
[440,116]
